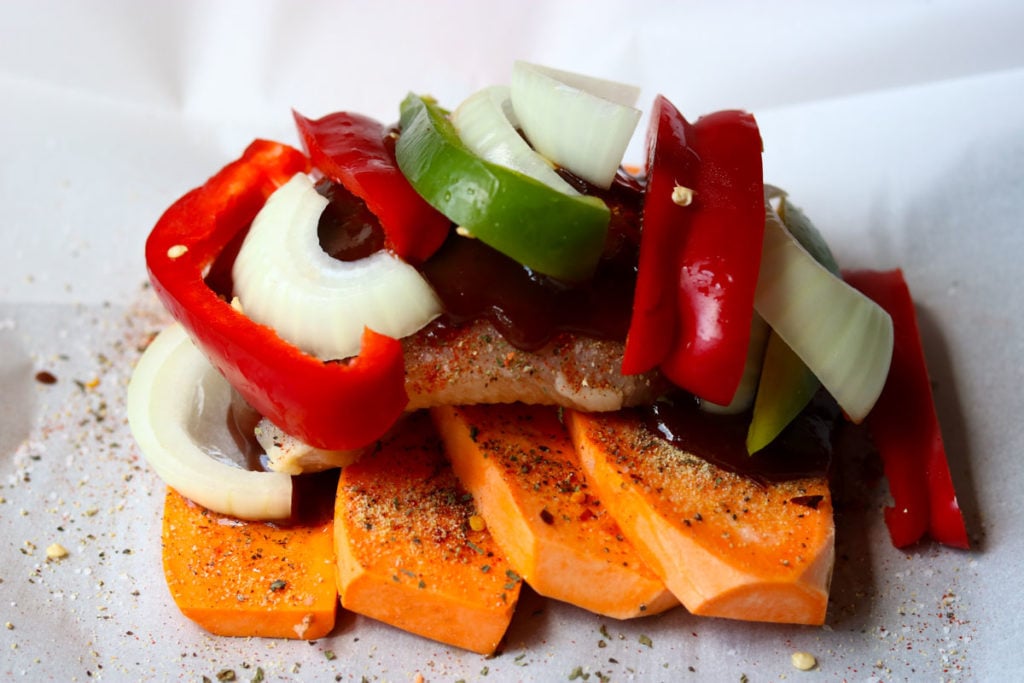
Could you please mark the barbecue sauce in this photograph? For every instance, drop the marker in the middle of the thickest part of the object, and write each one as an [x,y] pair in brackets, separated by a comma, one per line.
[804,449]
[529,309]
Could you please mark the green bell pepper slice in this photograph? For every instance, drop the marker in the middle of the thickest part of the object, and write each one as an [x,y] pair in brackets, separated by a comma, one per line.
[550,232]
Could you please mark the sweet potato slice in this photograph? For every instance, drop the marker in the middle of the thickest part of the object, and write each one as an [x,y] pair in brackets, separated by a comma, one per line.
[520,466]
[407,551]
[236,578]
[726,545]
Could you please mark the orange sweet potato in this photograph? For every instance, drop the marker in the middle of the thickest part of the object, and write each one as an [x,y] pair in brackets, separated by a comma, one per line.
[236,578]
[520,466]
[408,554]
[726,545]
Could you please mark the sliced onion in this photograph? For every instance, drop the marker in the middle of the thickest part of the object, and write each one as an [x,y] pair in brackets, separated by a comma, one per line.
[177,408]
[487,124]
[580,123]
[284,279]
[844,337]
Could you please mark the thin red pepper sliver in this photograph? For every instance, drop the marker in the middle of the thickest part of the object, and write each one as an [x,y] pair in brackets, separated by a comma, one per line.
[335,405]
[357,152]
[671,161]
[905,427]
[719,259]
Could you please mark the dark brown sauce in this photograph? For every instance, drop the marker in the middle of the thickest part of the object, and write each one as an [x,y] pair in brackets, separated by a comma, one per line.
[313,497]
[348,230]
[804,449]
[528,309]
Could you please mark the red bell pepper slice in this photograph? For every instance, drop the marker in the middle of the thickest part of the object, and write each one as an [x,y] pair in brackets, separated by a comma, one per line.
[694,305]
[671,161]
[357,152]
[905,428]
[333,405]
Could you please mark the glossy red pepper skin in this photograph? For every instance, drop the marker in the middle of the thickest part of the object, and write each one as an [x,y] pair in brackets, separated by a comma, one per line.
[330,405]
[905,428]
[694,306]
[357,152]
[671,161]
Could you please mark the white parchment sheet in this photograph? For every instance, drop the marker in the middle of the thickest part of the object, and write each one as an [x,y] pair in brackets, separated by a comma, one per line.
[898,127]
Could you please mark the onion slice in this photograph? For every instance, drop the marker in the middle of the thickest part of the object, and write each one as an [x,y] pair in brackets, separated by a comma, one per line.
[177,407]
[580,123]
[487,124]
[845,338]
[284,279]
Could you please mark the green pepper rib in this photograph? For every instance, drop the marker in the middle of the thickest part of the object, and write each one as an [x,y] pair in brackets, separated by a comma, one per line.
[549,232]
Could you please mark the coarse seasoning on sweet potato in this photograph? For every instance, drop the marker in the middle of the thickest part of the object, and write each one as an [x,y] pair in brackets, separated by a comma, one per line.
[520,466]
[409,553]
[725,544]
[237,578]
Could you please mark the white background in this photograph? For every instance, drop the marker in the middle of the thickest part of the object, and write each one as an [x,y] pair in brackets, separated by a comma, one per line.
[898,126]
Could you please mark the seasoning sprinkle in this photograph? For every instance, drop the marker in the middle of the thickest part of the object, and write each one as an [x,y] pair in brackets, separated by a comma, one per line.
[55,551]
[175,252]
[682,196]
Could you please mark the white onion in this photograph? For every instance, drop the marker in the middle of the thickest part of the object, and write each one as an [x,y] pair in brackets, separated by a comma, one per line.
[284,279]
[580,123]
[487,125]
[177,411]
[844,337]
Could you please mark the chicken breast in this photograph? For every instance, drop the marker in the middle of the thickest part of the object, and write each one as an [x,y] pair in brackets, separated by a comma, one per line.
[474,364]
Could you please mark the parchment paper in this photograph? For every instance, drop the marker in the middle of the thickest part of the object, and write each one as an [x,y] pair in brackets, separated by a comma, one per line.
[898,127]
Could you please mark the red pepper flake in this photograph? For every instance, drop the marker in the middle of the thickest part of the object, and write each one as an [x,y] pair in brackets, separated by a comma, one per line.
[547,517]
[46,377]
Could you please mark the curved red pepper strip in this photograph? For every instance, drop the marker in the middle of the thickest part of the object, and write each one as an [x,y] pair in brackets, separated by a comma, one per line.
[705,256]
[671,161]
[357,152]
[329,405]
[905,428]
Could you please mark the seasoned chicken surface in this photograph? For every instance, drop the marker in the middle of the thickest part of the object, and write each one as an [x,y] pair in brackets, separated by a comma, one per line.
[474,364]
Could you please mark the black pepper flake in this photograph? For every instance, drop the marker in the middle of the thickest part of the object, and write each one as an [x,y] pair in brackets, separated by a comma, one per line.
[547,517]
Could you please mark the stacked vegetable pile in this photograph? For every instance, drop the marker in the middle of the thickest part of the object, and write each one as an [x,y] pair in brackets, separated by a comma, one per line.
[736,306]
